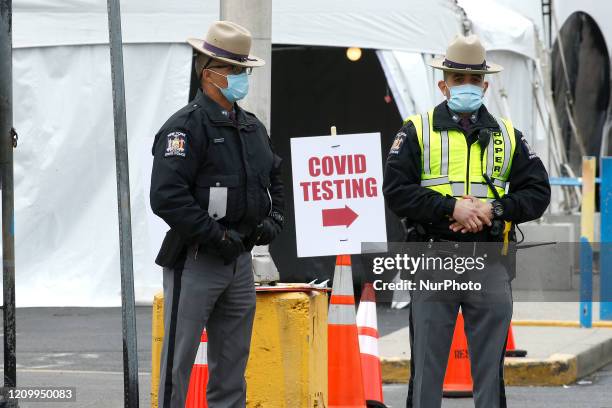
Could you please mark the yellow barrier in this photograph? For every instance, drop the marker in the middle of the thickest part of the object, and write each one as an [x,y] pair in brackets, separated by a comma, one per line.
[287,365]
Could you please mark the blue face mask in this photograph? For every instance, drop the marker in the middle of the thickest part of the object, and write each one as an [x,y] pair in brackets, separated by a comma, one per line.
[237,87]
[465,98]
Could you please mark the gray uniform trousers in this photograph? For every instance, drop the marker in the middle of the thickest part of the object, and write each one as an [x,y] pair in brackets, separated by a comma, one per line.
[487,314]
[207,293]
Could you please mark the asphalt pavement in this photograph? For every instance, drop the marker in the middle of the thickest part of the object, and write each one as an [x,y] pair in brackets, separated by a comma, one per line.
[82,348]
[592,392]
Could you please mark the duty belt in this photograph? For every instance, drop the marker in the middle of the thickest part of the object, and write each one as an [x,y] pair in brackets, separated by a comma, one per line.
[451,248]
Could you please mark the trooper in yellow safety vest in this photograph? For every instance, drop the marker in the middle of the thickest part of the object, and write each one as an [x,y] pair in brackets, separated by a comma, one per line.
[456,173]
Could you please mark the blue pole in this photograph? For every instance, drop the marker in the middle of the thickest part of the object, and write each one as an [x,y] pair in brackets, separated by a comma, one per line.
[606,239]
[586,283]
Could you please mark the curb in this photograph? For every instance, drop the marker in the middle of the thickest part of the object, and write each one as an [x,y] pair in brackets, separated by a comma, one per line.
[558,369]
[560,323]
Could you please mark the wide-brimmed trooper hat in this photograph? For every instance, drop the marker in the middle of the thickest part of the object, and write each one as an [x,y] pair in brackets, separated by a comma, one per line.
[467,55]
[227,42]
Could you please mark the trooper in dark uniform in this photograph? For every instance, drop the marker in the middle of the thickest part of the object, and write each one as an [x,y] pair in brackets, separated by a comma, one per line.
[216,182]
[457,174]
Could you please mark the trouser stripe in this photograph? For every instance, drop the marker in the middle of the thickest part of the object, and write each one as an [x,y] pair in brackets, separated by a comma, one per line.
[176,293]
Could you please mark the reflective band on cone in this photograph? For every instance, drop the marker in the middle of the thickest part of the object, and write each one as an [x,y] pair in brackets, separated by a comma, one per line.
[367,327]
[368,345]
[196,395]
[345,386]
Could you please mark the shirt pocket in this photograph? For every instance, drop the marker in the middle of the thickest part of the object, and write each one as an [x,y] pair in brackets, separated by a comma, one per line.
[219,194]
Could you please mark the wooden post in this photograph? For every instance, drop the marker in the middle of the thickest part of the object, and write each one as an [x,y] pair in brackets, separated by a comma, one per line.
[587,236]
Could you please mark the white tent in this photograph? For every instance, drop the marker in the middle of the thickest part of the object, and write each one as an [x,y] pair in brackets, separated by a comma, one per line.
[510,40]
[66,219]
[561,10]
[599,10]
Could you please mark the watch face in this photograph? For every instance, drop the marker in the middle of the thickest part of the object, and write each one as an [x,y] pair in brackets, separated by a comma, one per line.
[498,210]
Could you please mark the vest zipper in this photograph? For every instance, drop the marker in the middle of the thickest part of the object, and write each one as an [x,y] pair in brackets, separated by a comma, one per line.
[467,170]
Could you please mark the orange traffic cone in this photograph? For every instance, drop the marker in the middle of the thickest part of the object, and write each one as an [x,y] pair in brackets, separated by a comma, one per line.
[511,350]
[345,386]
[458,378]
[196,394]
[367,327]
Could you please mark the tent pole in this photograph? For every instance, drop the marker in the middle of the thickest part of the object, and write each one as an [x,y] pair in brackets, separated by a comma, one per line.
[7,143]
[130,357]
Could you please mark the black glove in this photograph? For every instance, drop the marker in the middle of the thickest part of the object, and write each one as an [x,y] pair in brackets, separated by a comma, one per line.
[249,241]
[269,230]
[231,246]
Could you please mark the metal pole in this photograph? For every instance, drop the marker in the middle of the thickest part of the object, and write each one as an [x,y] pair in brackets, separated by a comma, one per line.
[255,16]
[130,357]
[547,21]
[6,174]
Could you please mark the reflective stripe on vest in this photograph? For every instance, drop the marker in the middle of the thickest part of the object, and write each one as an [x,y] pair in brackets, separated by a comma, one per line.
[445,165]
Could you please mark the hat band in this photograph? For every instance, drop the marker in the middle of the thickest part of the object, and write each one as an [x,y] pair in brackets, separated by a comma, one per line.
[458,65]
[220,52]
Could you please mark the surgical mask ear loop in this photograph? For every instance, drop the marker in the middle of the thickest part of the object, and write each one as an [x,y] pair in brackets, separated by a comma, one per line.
[218,73]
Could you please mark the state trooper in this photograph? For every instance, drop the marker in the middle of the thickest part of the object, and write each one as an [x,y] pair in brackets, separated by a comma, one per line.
[456,173]
[216,182]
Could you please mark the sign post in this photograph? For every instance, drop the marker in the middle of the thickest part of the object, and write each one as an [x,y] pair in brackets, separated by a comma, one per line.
[128,308]
[7,143]
[337,193]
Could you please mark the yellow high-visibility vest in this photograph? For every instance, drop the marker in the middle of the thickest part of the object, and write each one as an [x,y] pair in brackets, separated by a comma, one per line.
[449,167]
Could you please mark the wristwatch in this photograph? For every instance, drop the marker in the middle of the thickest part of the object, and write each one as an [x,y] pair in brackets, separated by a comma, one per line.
[498,209]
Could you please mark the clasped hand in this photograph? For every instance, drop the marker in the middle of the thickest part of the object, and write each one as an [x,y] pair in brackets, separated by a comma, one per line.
[471,215]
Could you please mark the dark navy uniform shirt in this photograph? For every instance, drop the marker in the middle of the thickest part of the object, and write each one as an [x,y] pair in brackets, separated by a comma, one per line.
[202,154]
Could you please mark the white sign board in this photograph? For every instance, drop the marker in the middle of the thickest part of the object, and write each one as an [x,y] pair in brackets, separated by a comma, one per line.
[337,193]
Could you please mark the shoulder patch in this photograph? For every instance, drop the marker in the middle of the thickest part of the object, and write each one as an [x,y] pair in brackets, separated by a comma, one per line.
[176,145]
[397,143]
[530,152]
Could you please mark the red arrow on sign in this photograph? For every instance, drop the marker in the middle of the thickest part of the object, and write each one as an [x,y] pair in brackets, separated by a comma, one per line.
[334,217]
